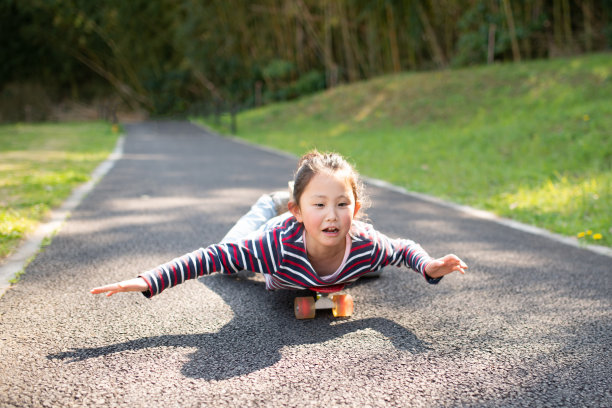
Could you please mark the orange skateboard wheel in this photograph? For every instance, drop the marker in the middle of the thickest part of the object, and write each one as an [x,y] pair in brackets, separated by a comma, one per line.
[304,307]
[343,305]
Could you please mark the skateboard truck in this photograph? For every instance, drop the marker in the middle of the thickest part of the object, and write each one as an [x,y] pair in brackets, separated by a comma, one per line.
[341,305]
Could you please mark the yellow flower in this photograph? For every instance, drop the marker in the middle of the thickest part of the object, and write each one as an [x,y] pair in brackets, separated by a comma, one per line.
[589,232]
[586,118]
[581,234]
[597,236]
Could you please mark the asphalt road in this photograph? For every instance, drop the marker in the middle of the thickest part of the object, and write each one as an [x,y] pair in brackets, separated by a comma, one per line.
[529,325]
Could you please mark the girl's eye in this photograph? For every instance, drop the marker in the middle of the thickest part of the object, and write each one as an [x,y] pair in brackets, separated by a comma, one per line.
[319,205]
[343,204]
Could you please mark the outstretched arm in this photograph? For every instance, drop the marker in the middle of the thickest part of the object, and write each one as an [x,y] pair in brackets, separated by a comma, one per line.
[225,258]
[132,285]
[445,265]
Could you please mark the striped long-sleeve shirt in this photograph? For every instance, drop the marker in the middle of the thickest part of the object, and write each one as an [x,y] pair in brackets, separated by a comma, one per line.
[280,254]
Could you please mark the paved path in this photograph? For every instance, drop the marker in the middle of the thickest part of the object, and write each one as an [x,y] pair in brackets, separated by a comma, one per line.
[529,325]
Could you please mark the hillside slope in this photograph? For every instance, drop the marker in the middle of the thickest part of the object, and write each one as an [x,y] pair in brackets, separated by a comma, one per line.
[529,141]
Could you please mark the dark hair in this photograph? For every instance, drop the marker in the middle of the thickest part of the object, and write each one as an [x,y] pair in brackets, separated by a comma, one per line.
[314,162]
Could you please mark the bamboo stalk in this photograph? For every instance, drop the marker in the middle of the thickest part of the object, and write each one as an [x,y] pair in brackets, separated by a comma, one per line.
[516,53]
[353,73]
[567,23]
[587,12]
[392,32]
[491,44]
[432,39]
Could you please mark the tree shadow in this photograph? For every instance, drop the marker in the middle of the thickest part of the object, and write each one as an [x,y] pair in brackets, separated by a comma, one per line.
[263,324]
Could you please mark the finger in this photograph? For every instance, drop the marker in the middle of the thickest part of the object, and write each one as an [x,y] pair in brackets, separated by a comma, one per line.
[453,265]
[102,289]
[455,260]
[96,291]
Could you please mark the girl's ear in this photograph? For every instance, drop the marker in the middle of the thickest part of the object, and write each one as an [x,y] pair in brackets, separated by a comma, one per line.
[295,210]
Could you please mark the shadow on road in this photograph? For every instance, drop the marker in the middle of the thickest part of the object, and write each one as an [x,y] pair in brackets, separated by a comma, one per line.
[262,326]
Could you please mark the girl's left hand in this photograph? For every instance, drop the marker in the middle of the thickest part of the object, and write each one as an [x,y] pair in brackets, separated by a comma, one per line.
[445,265]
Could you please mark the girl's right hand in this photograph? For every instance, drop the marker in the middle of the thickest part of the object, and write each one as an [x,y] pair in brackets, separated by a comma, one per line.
[132,285]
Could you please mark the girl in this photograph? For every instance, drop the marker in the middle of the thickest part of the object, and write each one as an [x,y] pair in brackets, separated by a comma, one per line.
[319,242]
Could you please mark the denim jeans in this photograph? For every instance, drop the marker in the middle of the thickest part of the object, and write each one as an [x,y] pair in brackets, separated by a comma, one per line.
[260,217]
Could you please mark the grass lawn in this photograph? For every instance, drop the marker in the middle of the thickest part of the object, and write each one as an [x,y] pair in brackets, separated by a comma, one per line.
[40,165]
[529,141]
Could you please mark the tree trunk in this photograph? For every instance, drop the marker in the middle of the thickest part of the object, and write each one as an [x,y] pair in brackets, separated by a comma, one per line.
[410,46]
[393,39]
[557,26]
[234,120]
[491,45]
[331,70]
[357,50]
[527,12]
[311,34]
[587,12]
[128,93]
[432,39]
[516,53]
[567,24]
[353,73]
[299,46]
[373,50]
[540,39]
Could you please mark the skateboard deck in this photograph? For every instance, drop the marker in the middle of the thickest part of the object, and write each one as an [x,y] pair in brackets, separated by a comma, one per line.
[327,297]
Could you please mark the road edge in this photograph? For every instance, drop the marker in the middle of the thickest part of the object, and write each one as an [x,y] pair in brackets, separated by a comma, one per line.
[28,250]
[474,212]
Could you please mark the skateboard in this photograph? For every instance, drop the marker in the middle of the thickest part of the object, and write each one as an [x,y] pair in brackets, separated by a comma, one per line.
[328,297]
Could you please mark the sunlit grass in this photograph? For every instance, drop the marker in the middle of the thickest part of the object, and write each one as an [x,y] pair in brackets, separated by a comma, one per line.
[40,165]
[578,207]
[528,141]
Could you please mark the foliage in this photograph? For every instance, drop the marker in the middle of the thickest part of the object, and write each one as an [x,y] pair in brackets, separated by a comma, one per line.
[529,141]
[170,55]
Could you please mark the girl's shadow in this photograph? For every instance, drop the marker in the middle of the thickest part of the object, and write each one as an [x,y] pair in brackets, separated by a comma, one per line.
[263,324]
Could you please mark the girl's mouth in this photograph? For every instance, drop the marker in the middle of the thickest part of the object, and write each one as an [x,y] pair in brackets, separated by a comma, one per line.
[331,230]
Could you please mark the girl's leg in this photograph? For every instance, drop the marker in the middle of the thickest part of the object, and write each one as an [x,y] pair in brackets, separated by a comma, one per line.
[265,208]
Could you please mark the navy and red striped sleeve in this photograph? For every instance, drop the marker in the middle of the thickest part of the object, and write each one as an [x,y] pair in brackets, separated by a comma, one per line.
[224,258]
[387,251]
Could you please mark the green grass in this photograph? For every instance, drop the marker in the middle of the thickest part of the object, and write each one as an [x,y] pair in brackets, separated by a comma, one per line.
[529,141]
[40,165]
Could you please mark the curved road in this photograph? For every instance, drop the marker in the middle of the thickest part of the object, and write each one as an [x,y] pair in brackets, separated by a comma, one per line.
[529,325]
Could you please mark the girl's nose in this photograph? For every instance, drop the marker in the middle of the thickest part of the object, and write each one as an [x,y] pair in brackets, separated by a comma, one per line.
[331,215]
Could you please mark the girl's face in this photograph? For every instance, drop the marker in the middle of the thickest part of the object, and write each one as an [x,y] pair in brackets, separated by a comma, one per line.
[326,208]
